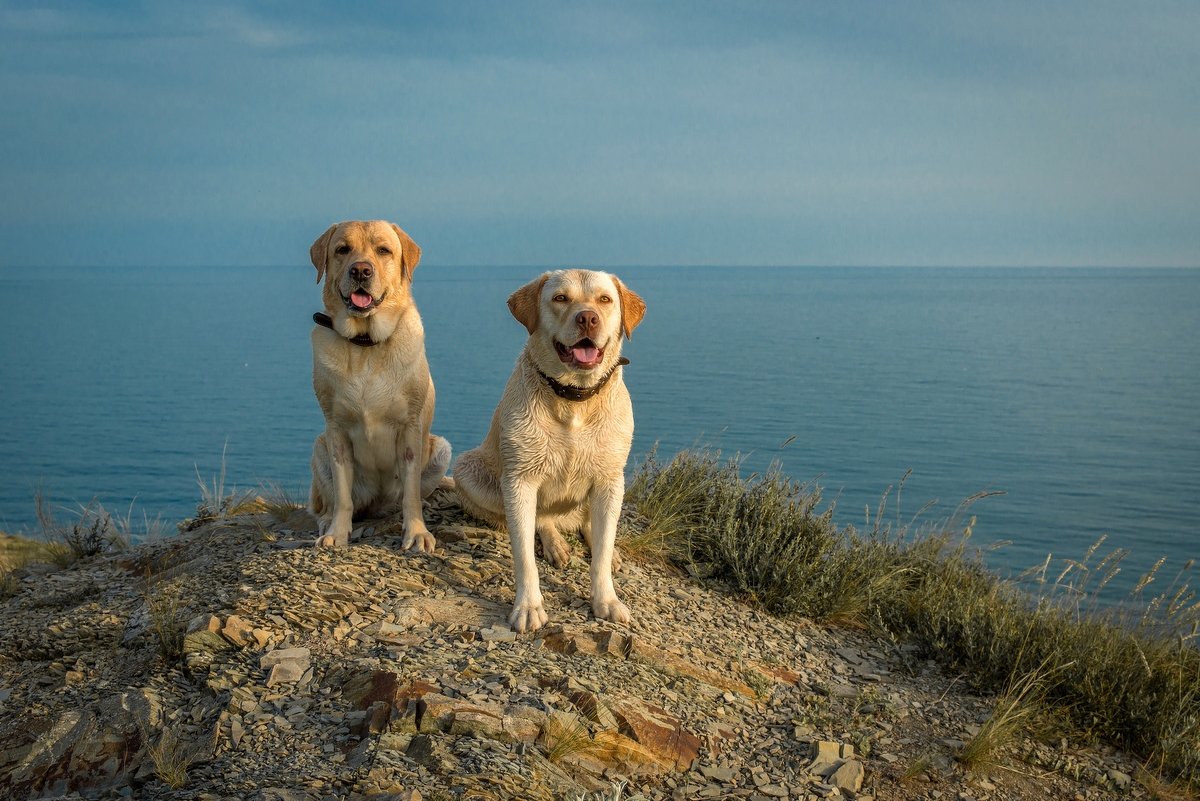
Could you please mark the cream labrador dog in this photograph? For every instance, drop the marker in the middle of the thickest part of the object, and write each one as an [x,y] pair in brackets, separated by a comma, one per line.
[373,385]
[554,457]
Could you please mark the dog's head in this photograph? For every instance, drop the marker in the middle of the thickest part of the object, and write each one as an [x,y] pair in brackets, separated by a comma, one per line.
[576,319]
[367,267]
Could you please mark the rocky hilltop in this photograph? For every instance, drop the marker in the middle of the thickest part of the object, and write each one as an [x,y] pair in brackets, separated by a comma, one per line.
[234,661]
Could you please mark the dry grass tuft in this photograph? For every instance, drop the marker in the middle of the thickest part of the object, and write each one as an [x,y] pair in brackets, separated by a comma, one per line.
[216,503]
[164,605]
[566,735]
[277,502]
[1013,712]
[172,758]
[615,792]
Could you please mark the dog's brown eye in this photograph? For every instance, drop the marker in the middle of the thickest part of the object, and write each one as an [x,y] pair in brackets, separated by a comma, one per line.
[560,298]
[605,299]
[342,250]
[383,251]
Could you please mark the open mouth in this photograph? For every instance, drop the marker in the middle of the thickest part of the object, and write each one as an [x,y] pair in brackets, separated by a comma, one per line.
[361,302]
[584,354]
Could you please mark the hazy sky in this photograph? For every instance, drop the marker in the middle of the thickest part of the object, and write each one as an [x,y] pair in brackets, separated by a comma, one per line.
[603,134]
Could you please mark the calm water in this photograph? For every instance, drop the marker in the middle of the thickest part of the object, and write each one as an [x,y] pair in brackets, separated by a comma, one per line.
[1075,392]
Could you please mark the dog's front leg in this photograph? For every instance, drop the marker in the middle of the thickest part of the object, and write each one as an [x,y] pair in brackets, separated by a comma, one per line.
[341,468]
[606,509]
[520,511]
[411,447]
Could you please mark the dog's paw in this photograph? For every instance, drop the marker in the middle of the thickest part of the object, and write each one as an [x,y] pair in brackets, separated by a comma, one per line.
[527,616]
[419,540]
[555,548]
[612,610]
[333,540]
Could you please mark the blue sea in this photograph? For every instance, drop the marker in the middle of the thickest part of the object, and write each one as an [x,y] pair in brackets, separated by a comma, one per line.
[1074,392]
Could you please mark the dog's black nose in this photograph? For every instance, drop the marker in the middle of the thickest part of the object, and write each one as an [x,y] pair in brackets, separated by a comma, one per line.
[360,271]
[587,320]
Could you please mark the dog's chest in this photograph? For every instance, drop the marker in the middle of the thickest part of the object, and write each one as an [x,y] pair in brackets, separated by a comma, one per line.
[577,442]
[366,392]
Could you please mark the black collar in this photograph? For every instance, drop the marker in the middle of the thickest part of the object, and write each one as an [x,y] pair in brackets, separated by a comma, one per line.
[364,340]
[573,393]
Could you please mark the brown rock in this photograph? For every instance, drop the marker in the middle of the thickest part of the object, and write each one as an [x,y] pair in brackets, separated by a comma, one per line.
[285,673]
[592,707]
[439,712]
[477,722]
[272,658]
[365,689]
[237,631]
[522,728]
[568,640]
[627,756]
[658,731]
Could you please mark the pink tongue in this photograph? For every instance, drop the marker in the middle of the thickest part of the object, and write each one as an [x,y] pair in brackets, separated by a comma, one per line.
[360,299]
[585,355]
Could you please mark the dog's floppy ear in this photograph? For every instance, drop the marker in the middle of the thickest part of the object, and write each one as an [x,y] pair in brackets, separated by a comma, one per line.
[410,252]
[633,308]
[319,252]
[524,302]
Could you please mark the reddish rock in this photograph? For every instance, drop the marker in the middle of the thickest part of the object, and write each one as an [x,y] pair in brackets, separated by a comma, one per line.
[627,756]
[674,665]
[777,673]
[658,731]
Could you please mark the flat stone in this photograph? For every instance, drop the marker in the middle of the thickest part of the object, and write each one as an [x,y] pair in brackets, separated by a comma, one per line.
[520,729]
[497,634]
[272,658]
[719,774]
[848,776]
[285,673]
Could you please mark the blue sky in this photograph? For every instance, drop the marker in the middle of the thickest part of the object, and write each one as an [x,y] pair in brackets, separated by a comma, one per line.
[604,134]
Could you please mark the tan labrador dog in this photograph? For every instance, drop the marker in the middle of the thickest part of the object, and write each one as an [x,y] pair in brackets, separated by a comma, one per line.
[373,384]
[554,458]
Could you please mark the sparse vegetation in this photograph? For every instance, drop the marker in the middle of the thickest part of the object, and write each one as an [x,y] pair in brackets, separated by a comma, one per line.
[276,501]
[216,503]
[15,553]
[172,758]
[92,530]
[1128,674]
[163,603]
[1012,713]
[614,793]
[565,735]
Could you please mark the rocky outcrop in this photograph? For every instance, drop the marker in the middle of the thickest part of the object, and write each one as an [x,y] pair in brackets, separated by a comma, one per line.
[236,662]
